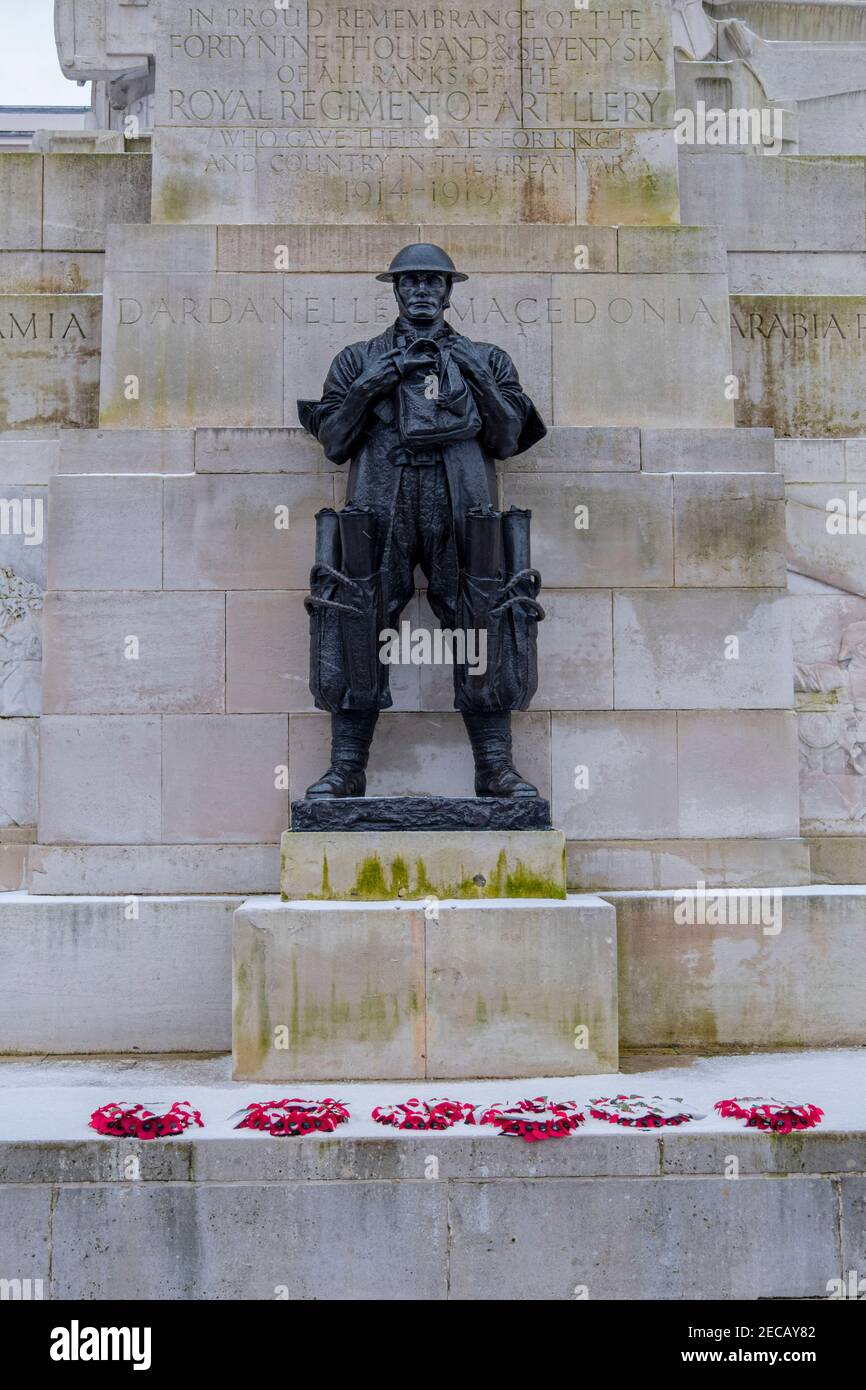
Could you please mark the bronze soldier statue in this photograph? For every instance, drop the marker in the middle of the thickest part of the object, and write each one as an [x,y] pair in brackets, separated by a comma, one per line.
[422,412]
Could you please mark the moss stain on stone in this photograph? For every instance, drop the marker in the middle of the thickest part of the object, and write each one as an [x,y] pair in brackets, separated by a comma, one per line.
[377,882]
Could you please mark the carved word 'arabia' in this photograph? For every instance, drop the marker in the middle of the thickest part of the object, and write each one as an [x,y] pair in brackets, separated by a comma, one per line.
[313,309]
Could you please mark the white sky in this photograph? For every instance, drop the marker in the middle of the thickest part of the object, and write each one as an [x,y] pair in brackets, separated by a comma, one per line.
[29,71]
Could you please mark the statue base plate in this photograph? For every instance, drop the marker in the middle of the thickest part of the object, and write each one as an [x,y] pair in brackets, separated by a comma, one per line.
[422,813]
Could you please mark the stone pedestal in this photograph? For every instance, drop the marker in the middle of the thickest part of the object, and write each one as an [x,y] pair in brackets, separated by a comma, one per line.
[372,866]
[408,990]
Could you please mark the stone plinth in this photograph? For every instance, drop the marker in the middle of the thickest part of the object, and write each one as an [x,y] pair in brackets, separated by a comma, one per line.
[375,865]
[335,991]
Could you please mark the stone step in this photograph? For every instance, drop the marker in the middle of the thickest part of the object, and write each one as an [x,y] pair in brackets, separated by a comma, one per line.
[748,968]
[606,1214]
[161,981]
[130,974]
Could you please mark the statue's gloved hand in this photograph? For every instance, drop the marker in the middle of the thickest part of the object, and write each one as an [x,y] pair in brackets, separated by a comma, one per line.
[471,362]
[380,378]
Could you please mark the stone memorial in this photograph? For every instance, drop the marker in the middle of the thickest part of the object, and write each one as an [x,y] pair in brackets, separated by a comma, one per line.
[687,320]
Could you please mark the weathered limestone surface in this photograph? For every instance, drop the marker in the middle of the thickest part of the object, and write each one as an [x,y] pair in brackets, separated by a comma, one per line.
[752,968]
[336,990]
[627,1216]
[119,869]
[801,362]
[548,114]
[371,866]
[138,974]
[233,332]
[49,360]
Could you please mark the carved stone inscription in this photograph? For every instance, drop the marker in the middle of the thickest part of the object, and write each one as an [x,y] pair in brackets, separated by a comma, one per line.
[386,112]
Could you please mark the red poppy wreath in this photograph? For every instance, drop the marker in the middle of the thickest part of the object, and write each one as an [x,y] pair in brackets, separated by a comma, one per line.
[425,1114]
[294,1118]
[641,1112]
[535,1119]
[136,1122]
[761,1112]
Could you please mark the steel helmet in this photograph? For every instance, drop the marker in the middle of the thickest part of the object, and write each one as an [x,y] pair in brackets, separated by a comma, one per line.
[421,255]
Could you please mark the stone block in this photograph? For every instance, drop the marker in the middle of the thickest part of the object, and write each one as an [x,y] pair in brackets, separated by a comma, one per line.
[598,530]
[127,451]
[78,142]
[811,460]
[853,1192]
[259,451]
[100,779]
[670,250]
[267,653]
[800,363]
[20,201]
[207,350]
[372,866]
[625,765]
[224,778]
[591,449]
[658,345]
[231,532]
[19,753]
[729,531]
[169,964]
[325,991]
[536,248]
[243,1252]
[108,533]
[338,990]
[25,1234]
[13,865]
[257,249]
[418,754]
[663,775]
[707,451]
[815,203]
[737,773]
[775,967]
[124,869]
[673,649]
[510,985]
[50,354]
[150,249]
[84,192]
[824,538]
[51,272]
[838,858]
[27,458]
[626,1239]
[797,272]
[134,653]
[594,867]
[575,651]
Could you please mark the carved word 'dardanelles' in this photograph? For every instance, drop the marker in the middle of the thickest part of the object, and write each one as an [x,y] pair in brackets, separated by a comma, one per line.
[582,310]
